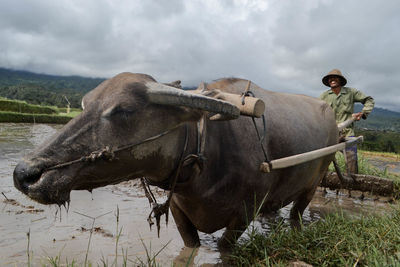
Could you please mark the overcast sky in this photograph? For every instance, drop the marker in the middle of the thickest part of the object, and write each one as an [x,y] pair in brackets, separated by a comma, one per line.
[284,46]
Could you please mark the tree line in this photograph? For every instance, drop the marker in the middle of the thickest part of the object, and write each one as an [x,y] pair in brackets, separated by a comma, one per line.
[39,95]
[384,141]
[43,89]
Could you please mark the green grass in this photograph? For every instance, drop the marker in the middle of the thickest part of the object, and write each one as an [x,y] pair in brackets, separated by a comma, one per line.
[390,156]
[336,240]
[23,107]
[20,111]
[64,110]
[71,114]
[6,116]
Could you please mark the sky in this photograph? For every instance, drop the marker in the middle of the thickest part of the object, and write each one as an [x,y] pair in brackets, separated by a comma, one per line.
[283,46]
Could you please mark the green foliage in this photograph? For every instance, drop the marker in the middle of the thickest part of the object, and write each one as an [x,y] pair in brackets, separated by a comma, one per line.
[337,240]
[10,77]
[20,111]
[23,107]
[41,95]
[72,114]
[45,89]
[64,110]
[385,141]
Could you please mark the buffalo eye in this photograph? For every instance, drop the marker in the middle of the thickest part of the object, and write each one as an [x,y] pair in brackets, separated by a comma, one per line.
[117,110]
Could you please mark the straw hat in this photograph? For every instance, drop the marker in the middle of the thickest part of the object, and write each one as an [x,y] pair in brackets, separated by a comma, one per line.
[337,73]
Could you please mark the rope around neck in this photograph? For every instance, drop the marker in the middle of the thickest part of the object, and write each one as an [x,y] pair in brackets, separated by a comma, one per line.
[107,153]
[160,209]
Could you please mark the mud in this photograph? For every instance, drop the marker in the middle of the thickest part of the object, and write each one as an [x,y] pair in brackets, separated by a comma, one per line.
[118,210]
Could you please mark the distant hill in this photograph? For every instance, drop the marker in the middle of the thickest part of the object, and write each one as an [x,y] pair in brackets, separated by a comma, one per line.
[379,119]
[45,89]
[10,77]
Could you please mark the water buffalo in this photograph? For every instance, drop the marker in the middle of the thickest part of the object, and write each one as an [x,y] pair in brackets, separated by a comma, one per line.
[132,127]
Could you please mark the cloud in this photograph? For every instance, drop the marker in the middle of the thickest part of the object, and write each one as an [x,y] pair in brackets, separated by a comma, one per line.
[280,45]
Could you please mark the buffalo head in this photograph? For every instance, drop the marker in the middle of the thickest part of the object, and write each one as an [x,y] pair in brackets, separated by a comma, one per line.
[126,109]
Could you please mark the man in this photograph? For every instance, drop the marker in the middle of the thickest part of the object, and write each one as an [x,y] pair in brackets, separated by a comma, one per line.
[342,100]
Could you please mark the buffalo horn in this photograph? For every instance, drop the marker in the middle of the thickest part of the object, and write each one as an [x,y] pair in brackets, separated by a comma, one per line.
[167,95]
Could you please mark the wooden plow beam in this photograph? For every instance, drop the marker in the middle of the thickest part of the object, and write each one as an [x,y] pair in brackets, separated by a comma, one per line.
[308,156]
[360,182]
[345,124]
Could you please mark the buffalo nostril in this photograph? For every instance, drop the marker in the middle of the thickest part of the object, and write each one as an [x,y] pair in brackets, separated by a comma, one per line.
[26,174]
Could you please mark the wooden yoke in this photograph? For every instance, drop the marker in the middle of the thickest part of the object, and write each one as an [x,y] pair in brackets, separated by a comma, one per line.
[248,106]
[253,107]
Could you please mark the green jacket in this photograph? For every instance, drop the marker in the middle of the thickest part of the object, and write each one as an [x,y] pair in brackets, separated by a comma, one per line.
[343,105]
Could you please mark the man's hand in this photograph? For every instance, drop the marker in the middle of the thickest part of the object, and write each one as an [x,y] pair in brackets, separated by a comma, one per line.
[357,116]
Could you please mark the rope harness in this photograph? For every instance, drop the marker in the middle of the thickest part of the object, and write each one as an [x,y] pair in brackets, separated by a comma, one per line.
[159,209]
[107,153]
[261,139]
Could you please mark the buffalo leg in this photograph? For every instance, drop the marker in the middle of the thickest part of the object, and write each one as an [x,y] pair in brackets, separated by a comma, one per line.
[232,233]
[186,228]
[299,206]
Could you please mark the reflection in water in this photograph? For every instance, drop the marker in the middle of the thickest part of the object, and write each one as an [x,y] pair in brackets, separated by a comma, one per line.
[57,232]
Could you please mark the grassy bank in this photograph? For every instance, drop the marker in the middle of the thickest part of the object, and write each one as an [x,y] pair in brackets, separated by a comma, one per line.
[336,240]
[20,111]
[23,107]
[385,155]
[61,118]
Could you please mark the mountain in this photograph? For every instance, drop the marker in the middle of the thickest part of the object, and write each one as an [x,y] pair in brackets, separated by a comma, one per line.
[379,119]
[10,77]
[45,89]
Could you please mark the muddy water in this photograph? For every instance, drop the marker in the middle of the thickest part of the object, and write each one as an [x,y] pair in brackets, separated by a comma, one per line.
[384,164]
[56,232]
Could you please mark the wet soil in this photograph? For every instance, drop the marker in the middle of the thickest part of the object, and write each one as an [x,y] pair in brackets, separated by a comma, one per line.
[54,231]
